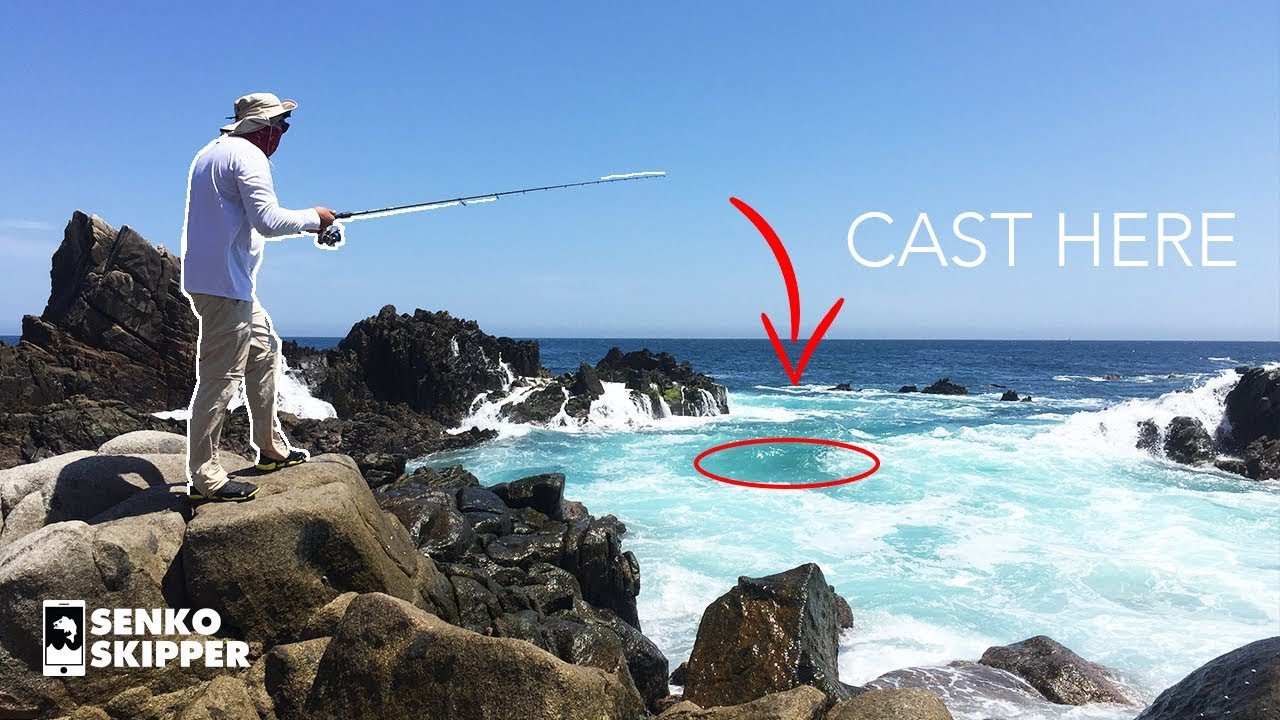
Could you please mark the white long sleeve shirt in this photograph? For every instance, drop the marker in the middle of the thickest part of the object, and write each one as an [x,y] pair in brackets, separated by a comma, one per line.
[231,210]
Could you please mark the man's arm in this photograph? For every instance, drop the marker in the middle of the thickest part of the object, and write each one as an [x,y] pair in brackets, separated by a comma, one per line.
[253,176]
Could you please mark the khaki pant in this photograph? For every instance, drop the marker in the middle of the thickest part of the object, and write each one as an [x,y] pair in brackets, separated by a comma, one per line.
[237,343]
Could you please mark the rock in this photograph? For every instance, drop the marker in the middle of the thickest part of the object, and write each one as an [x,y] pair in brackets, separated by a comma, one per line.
[1009,395]
[844,613]
[540,406]
[1111,376]
[970,690]
[800,703]
[544,493]
[1149,436]
[79,486]
[767,635]
[77,423]
[586,382]
[842,387]
[645,661]
[316,533]
[944,386]
[1058,673]
[324,621]
[1262,459]
[1252,408]
[1242,369]
[1026,398]
[908,389]
[392,660]
[680,675]
[1232,465]
[116,326]
[660,378]
[1243,684]
[130,563]
[146,442]
[1187,442]
[891,704]
[224,697]
[452,476]
[289,672]
[432,363]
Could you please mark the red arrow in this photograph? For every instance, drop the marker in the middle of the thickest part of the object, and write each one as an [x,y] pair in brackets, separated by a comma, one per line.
[793,298]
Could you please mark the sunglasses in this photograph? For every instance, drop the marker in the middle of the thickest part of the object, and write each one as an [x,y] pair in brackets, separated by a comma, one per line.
[282,126]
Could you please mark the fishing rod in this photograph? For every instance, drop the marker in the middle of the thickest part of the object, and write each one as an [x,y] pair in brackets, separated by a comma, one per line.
[335,235]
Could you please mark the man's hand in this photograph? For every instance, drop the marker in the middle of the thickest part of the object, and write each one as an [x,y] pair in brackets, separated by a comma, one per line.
[327,217]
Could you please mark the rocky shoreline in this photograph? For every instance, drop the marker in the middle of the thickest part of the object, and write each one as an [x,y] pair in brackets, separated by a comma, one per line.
[364,590]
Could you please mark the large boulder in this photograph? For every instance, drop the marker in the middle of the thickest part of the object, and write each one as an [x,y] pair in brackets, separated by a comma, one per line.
[891,704]
[767,635]
[127,562]
[1058,673]
[1187,442]
[1243,684]
[312,533]
[1252,408]
[390,659]
[800,703]
[79,486]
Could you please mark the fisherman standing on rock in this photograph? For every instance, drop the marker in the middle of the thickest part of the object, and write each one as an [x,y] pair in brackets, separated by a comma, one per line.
[231,209]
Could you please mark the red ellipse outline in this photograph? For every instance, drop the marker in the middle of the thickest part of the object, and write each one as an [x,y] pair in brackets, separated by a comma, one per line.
[697,463]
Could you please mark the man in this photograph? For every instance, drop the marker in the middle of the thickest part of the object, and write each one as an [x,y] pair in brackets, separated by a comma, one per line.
[231,208]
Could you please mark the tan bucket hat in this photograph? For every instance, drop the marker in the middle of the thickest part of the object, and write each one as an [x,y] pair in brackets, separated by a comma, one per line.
[257,110]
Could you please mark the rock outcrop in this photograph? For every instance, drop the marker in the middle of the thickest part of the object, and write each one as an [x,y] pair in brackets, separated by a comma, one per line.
[767,635]
[1059,674]
[658,385]
[944,386]
[1243,684]
[1252,408]
[432,363]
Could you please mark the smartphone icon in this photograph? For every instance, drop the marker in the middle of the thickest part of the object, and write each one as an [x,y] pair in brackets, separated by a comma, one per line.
[63,637]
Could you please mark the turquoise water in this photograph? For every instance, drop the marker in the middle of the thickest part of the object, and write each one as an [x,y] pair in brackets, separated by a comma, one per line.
[988,522]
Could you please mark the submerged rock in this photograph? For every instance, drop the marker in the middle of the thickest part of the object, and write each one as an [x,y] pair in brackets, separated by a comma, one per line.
[1059,674]
[767,635]
[1243,684]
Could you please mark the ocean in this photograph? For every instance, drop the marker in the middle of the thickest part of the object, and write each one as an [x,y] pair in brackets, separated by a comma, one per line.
[988,522]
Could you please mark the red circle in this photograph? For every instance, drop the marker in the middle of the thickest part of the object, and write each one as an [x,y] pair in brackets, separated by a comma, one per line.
[697,463]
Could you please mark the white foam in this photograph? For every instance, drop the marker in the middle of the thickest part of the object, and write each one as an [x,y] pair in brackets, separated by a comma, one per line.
[1114,430]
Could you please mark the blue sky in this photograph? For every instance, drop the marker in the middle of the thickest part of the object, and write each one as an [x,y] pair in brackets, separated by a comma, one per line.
[813,116]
